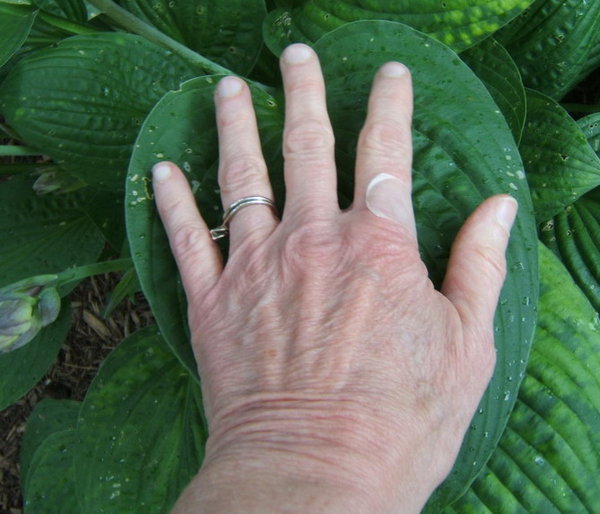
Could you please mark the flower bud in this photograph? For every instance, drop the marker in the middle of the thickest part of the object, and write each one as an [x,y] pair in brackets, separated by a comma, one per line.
[25,308]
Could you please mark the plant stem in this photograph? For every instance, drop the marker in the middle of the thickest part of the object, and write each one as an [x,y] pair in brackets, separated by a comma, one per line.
[132,23]
[24,167]
[14,151]
[88,270]
[66,25]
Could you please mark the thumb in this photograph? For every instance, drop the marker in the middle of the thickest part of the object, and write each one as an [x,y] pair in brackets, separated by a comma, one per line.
[477,265]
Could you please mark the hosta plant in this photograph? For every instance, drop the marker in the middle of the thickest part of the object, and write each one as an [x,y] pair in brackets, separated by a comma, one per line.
[104,90]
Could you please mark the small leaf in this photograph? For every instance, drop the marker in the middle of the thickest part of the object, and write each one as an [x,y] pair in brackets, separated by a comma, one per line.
[45,234]
[553,43]
[140,430]
[127,286]
[50,483]
[560,164]
[83,101]
[456,23]
[226,32]
[549,457]
[496,69]
[48,417]
[15,23]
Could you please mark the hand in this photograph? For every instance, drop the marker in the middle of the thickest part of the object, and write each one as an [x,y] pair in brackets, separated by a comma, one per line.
[335,377]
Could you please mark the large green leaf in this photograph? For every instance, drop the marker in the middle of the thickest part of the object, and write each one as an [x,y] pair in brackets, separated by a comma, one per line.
[560,164]
[15,23]
[181,128]
[553,43]
[548,460]
[574,235]
[46,459]
[83,101]
[43,234]
[226,32]
[460,157]
[496,69]
[457,23]
[140,430]
[459,160]
[21,369]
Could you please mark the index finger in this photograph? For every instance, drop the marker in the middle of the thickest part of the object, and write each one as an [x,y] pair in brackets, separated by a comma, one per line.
[198,258]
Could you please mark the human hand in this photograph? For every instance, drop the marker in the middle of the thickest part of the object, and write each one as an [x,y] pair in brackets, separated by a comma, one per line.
[332,370]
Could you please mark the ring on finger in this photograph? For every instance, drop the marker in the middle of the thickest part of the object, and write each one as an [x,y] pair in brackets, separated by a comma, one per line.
[223,229]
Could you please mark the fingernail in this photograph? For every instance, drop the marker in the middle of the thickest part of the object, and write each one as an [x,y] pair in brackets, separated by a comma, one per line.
[161,172]
[393,70]
[506,212]
[384,197]
[295,54]
[229,86]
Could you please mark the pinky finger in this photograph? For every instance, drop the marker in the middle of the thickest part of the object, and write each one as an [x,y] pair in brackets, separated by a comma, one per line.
[198,258]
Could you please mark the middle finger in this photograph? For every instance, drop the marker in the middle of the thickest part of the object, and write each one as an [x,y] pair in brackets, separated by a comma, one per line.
[308,144]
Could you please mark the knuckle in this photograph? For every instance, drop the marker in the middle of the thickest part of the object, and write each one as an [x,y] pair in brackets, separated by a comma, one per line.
[387,244]
[384,137]
[235,121]
[306,137]
[240,172]
[311,247]
[305,88]
[186,240]
[493,264]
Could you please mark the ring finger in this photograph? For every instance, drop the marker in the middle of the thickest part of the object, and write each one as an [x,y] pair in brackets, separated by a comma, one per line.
[242,169]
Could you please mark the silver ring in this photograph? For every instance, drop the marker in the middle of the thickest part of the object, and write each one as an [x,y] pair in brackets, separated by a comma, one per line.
[223,229]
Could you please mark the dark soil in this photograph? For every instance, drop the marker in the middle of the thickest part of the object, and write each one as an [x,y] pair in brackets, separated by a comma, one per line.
[89,342]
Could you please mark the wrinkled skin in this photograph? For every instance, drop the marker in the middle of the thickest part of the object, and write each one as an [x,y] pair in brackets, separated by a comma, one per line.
[335,377]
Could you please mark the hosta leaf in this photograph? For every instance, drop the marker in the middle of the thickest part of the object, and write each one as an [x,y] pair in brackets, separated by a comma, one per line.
[181,128]
[226,32]
[574,235]
[83,101]
[49,416]
[548,460]
[590,126]
[46,455]
[15,23]
[43,234]
[50,485]
[140,430]
[459,160]
[552,43]
[70,9]
[496,69]
[457,23]
[21,369]
[559,162]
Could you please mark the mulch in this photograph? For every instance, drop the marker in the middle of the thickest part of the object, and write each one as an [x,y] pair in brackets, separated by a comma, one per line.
[90,340]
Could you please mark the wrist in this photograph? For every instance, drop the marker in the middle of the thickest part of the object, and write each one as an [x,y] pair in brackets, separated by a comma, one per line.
[299,460]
